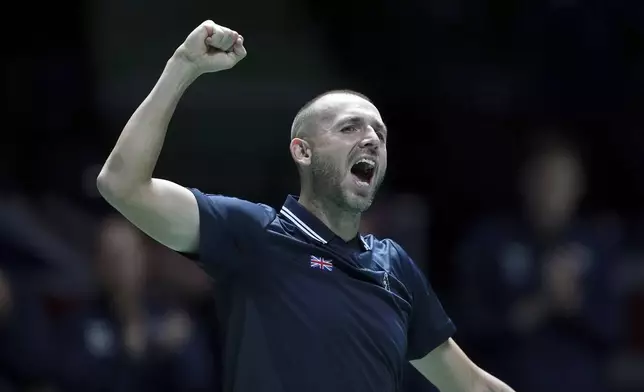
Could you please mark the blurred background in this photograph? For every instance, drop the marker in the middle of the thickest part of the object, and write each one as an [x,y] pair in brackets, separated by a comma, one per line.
[516,178]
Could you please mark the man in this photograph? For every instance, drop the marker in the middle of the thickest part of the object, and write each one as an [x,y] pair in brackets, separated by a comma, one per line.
[536,284]
[307,304]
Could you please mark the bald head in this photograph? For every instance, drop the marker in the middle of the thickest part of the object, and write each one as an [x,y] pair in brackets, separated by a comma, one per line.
[309,117]
[332,134]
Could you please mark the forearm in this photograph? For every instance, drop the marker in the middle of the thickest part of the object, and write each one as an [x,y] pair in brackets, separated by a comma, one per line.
[450,370]
[474,379]
[132,161]
[486,382]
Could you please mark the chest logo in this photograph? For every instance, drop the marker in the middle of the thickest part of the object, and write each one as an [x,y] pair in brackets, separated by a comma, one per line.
[321,263]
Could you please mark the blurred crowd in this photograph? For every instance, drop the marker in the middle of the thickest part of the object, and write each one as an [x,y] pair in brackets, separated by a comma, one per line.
[543,296]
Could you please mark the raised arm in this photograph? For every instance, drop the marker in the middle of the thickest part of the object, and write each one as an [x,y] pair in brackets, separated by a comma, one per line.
[162,209]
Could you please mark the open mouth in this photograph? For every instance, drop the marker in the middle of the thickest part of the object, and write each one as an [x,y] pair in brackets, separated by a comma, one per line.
[364,170]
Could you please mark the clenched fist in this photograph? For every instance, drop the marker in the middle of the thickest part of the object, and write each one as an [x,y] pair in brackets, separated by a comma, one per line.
[212,48]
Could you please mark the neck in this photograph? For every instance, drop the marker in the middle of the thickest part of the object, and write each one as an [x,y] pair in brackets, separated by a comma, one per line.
[342,222]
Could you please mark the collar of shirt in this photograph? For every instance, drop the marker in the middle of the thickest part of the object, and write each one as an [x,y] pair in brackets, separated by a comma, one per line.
[309,224]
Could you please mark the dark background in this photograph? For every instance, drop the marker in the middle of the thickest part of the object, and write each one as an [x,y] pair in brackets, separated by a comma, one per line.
[462,85]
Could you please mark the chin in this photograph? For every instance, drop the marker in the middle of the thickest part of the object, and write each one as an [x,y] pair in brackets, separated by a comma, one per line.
[358,203]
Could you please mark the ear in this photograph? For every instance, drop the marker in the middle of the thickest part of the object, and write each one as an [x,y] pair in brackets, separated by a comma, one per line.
[301,151]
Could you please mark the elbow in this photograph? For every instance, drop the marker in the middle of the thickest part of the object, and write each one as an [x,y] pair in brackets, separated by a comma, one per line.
[104,184]
[111,188]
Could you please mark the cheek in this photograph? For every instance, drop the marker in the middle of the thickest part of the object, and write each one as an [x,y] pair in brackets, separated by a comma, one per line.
[332,159]
[384,164]
[324,166]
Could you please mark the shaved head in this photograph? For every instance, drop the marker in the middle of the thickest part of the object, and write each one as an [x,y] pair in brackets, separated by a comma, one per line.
[331,137]
[308,117]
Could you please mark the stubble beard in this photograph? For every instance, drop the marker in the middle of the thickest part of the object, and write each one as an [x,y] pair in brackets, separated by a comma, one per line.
[326,186]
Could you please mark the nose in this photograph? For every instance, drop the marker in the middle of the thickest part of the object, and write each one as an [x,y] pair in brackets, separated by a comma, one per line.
[371,139]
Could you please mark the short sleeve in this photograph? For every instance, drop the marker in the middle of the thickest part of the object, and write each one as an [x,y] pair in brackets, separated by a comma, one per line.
[229,229]
[429,326]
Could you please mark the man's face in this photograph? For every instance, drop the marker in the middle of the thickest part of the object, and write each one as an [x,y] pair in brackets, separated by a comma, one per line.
[348,152]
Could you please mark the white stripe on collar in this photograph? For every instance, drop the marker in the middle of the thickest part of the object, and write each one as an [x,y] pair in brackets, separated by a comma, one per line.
[364,243]
[309,231]
[301,225]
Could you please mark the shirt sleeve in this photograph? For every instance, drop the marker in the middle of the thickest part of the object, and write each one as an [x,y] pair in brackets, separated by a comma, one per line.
[229,230]
[429,326]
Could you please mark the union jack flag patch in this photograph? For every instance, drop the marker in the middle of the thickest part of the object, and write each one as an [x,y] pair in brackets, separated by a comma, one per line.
[321,263]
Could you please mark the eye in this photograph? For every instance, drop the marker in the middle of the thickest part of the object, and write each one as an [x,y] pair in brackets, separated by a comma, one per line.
[349,128]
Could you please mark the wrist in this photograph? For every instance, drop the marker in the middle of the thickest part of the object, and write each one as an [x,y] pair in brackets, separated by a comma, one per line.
[181,69]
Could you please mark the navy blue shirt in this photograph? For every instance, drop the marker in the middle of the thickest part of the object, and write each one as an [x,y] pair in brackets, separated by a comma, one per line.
[303,310]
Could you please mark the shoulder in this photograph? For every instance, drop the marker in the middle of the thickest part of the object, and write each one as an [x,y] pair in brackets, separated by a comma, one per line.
[233,209]
[390,255]
[385,246]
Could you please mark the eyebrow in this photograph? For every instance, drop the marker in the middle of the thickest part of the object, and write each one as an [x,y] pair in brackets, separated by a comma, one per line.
[378,126]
